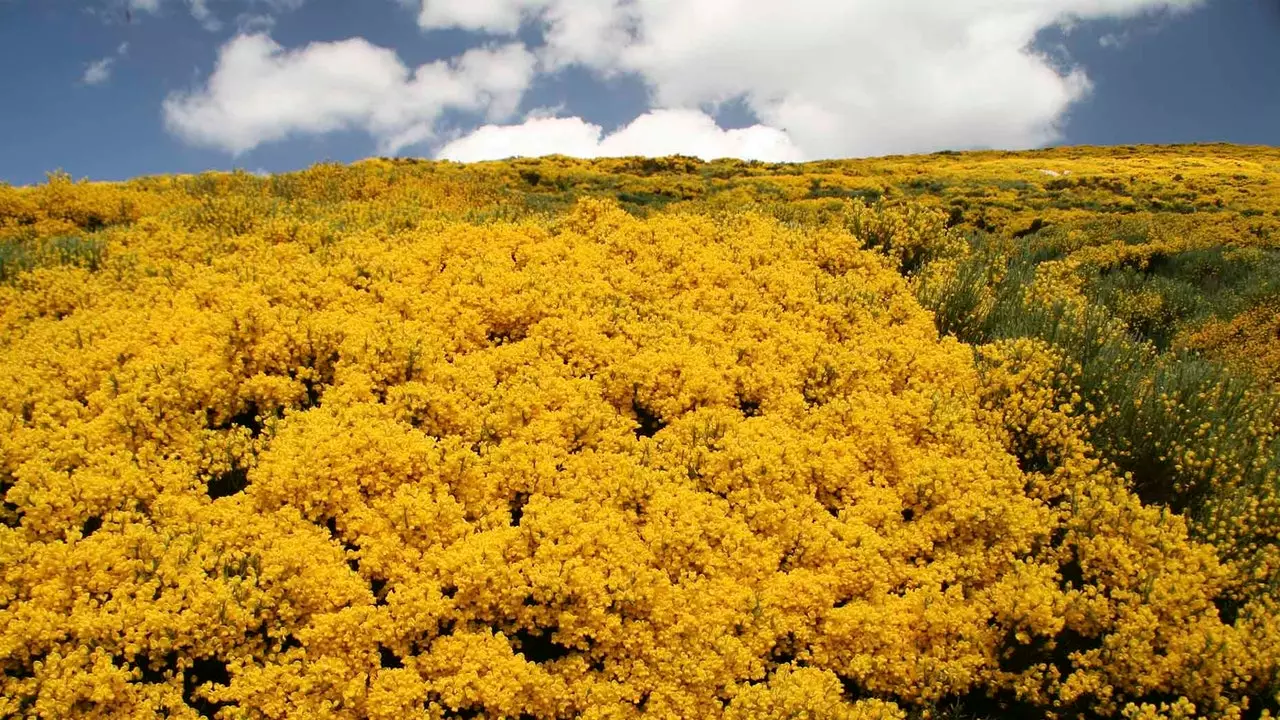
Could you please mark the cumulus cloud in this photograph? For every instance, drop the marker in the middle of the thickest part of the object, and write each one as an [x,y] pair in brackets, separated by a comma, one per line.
[842,77]
[662,132]
[260,92]
[499,16]
[99,71]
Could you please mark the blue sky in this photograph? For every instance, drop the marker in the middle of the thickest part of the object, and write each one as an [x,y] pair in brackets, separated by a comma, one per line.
[110,89]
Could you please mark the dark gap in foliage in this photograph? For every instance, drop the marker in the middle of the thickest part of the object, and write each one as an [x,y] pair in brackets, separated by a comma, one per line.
[465,713]
[157,671]
[90,526]
[925,185]
[908,514]
[449,591]
[817,190]
[1151,480]
[290,643]
[955,217]
[324,376]
[1157,262]
[377,586]
[517,507]
[1033,459]
[332,525]
[1266,701]
[247,418]
[10,515]
[1017,657]
[643,702]
[539,648]
[649,423]
[1069,641]
[784,562]
[1036,226]
[234,480]
[749,408]
[784,650]
[1072,574]
[641,205]
[314,391]
[506,336]
[352,549]
[204,670]
[830,503]
[1228,609]
[27,670]
[854,691]
[388,660]
[1020,657]
[978,704]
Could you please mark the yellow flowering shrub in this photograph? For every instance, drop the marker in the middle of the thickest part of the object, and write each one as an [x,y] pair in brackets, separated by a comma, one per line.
[367,442]
[1249,341]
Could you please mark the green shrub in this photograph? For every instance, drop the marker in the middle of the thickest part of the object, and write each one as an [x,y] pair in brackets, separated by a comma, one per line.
[1191,434]
[14,259]
[17,257]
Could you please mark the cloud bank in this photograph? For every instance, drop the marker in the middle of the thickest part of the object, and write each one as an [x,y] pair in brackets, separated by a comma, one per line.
[663,132]
[825,78]
[260,92]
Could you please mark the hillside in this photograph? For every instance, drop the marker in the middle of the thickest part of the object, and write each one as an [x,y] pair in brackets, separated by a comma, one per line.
[982,434]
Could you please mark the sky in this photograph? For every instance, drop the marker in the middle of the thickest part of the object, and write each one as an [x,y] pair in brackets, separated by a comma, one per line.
[112,89]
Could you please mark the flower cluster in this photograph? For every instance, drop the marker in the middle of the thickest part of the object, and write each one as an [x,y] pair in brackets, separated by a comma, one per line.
[328,445]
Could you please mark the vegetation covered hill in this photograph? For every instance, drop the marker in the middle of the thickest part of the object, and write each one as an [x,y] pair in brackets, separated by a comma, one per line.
[962,435]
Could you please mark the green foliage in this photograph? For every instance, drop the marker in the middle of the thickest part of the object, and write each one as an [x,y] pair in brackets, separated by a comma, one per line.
[641,203]
[1180,425]
[1173,291]
[14,259]
[817,190]
[17,257]
[86,252]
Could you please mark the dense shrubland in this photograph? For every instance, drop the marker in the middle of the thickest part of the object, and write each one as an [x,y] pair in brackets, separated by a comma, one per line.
[966,435]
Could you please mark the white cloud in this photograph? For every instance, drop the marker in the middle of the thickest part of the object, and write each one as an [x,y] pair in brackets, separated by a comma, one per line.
[260,92]
[98,71]
[252,13]
[661,132]
[1114,40]
[499,16]
[203,15]
[842,77]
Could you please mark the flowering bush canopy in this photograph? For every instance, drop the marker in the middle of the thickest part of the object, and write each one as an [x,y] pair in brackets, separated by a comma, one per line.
[389,441]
